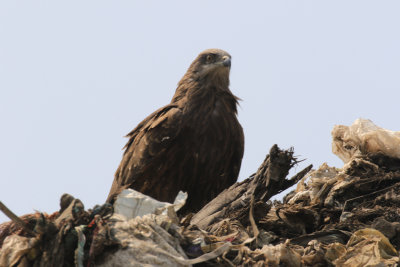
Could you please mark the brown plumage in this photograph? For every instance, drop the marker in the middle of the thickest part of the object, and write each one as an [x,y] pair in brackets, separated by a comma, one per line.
[194,144]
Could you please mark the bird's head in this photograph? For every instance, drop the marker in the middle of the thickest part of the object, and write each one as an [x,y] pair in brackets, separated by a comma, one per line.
[212,63]
[209,72]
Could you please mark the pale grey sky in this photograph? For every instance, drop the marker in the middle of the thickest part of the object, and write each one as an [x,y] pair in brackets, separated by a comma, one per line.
[76,76]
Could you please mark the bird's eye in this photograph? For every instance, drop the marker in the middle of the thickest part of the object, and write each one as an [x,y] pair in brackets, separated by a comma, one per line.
[210,58]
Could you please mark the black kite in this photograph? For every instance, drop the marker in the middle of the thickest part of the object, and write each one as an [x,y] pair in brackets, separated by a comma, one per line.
[194,144]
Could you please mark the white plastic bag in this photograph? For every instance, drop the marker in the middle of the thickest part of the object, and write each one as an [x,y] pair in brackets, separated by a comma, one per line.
[364,137]
[131,203]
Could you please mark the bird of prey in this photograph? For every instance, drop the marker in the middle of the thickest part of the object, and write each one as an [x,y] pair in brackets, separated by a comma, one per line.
[194,144]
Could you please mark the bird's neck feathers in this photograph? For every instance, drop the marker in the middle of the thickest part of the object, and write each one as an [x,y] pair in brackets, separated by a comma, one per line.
[194,91]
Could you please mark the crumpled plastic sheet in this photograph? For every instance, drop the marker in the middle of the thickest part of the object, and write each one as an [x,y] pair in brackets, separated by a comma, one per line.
[16,247]
[131,203]
[366,247]
[141,224]
[364,137]
[146,243]
[79,253]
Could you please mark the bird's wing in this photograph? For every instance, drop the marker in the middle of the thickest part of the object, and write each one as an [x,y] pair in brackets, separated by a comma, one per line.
[147,142]
[237,154]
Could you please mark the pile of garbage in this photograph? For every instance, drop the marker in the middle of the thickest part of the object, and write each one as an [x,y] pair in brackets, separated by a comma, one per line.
[334,217]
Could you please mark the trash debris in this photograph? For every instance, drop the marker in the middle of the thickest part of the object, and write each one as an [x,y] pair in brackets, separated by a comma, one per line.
[334,217]
[364,137]
[131,203]
[17,249]
[368,247]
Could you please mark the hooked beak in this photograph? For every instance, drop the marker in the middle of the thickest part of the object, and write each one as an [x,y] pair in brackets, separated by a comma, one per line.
[226,61]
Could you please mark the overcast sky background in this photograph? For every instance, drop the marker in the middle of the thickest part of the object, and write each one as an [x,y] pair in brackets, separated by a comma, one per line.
[76,76]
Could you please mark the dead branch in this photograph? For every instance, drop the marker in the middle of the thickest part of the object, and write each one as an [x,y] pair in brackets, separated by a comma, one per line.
[269,180]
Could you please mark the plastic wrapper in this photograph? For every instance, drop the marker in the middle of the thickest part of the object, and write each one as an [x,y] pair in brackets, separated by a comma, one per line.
[364,137]
[368,247]
[131,203]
